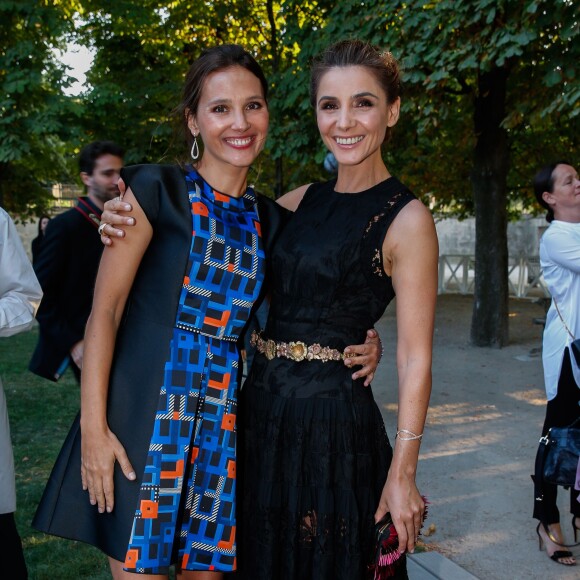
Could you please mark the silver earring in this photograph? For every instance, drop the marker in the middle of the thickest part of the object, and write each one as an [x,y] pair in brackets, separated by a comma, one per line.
[195,149]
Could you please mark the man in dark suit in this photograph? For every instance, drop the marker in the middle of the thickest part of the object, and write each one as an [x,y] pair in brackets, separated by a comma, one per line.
[68,262]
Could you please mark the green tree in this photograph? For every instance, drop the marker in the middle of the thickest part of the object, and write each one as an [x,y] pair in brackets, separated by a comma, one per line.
[488,79]
[142,52]
[36,118]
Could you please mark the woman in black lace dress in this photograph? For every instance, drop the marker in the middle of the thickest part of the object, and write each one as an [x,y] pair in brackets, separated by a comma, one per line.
[317,469]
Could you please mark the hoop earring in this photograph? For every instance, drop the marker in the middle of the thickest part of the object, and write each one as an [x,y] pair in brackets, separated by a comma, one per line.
[195,149]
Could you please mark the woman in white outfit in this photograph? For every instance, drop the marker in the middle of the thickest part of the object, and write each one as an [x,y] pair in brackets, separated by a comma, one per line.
[20,295]
[557,189]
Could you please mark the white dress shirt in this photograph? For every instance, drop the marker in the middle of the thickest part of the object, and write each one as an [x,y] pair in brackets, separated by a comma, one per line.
[560,262]
[20,295]
[20,292]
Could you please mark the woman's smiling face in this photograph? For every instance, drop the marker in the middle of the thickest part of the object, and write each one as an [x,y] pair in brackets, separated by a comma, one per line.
[353,114]
[565,195]
[232,118]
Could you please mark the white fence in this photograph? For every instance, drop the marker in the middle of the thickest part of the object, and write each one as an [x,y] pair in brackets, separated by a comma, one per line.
[457,272]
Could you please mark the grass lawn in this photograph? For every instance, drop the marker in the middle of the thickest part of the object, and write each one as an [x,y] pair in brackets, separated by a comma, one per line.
[40,414]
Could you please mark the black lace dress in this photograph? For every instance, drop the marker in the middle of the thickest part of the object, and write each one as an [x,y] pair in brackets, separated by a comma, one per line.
[314,453]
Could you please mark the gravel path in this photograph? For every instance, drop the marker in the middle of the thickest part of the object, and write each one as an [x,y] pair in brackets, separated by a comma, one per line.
[486,414]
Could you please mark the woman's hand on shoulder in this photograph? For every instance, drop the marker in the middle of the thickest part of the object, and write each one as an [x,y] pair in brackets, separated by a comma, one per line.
[112,217]
[292,199]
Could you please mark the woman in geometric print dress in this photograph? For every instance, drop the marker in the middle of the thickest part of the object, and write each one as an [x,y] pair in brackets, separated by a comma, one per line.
[148,471]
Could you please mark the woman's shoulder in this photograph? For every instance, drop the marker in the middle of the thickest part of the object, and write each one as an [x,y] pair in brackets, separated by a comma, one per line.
[413,225]
[151,171]
[561,234]
[412,220]
[402,203]
[154,179]
[156,186]
[293,198]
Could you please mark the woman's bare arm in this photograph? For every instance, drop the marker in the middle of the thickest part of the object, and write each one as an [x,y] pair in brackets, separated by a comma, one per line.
[100,448]
[116,216]
[410,255]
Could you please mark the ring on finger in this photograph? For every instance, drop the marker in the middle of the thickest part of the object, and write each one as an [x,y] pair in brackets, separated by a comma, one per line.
[101,228]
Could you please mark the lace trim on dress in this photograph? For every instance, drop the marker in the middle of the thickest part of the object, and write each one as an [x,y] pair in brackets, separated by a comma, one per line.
[376,260]
[372,243]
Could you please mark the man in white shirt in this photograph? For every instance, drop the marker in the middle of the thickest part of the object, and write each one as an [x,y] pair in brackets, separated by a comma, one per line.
[20,295]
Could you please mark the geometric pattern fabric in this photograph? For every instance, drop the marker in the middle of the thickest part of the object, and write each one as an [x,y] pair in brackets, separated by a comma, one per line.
[186,507]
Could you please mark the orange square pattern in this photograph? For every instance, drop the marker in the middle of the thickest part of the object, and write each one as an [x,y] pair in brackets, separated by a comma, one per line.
[228,422]
[149,509]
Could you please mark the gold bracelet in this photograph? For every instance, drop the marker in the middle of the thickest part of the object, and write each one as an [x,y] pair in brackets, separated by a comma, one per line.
[410,436]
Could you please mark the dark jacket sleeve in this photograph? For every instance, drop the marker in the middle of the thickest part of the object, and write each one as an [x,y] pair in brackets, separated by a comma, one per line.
[150,182]
[50,268]
[273,219]
[66,269]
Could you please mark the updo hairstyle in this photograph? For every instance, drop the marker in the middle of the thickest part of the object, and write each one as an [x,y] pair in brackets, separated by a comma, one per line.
[382,64]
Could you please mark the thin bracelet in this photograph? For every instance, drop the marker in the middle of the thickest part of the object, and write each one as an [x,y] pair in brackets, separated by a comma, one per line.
[410,435]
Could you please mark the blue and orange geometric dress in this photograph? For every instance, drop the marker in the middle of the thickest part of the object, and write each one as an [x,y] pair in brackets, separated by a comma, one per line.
[188,492]
[174,385]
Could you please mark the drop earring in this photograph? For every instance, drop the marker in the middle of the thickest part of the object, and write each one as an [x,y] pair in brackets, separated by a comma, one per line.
[195,149]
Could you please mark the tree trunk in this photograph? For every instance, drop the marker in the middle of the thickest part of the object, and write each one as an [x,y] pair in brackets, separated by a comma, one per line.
[275,52]
[279,188]
[489,323]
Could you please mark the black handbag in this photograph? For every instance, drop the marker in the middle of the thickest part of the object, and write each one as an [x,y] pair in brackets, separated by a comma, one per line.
[558,455]
[556,463]
[563,456]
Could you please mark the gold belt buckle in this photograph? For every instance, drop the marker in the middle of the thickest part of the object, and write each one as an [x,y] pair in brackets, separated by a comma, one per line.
[297,351]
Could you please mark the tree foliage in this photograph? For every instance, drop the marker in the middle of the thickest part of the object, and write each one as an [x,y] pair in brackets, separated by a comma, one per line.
[36,119]
[142,55]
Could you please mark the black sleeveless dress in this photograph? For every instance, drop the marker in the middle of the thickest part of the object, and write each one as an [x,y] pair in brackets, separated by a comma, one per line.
[314,453]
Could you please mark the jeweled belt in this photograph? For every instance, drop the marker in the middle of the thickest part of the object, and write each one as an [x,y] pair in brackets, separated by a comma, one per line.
[295,350]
